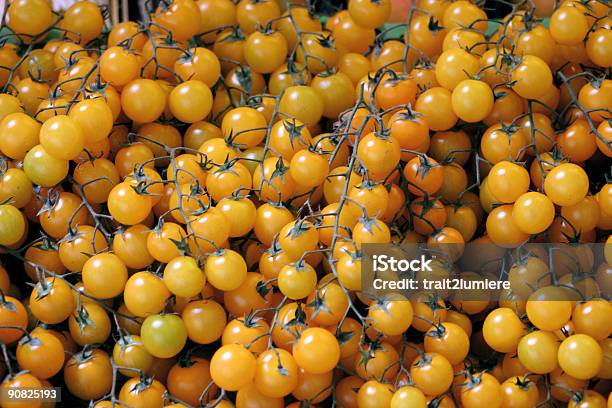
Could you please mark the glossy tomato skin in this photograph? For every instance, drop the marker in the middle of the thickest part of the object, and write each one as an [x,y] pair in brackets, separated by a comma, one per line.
[472,100]
[432,373]
[44,169]
[181,17]
[486,391]
[454,66]
[204,313]
[568,25]
[302,102]
[183,277]
[131,247]
[104,275]
[163,335]
[452,342]
[13,224]
[84,21]
[94,117]
[143,394]
[128,206]
[143,100]
[508,181]
[265,52]
[14,314]
[95,329]
[58,303]
[236,375]
[88,375]
[119,66]
[190,101]
[130,352]
[566,184]
[537,351]
[583,348]
[145,294]
[188,380]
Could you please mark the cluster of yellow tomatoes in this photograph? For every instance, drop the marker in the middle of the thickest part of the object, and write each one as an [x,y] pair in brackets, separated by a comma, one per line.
[183,203]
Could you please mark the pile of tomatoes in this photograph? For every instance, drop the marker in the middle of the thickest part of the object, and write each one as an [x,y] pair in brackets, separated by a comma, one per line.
[183,203]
